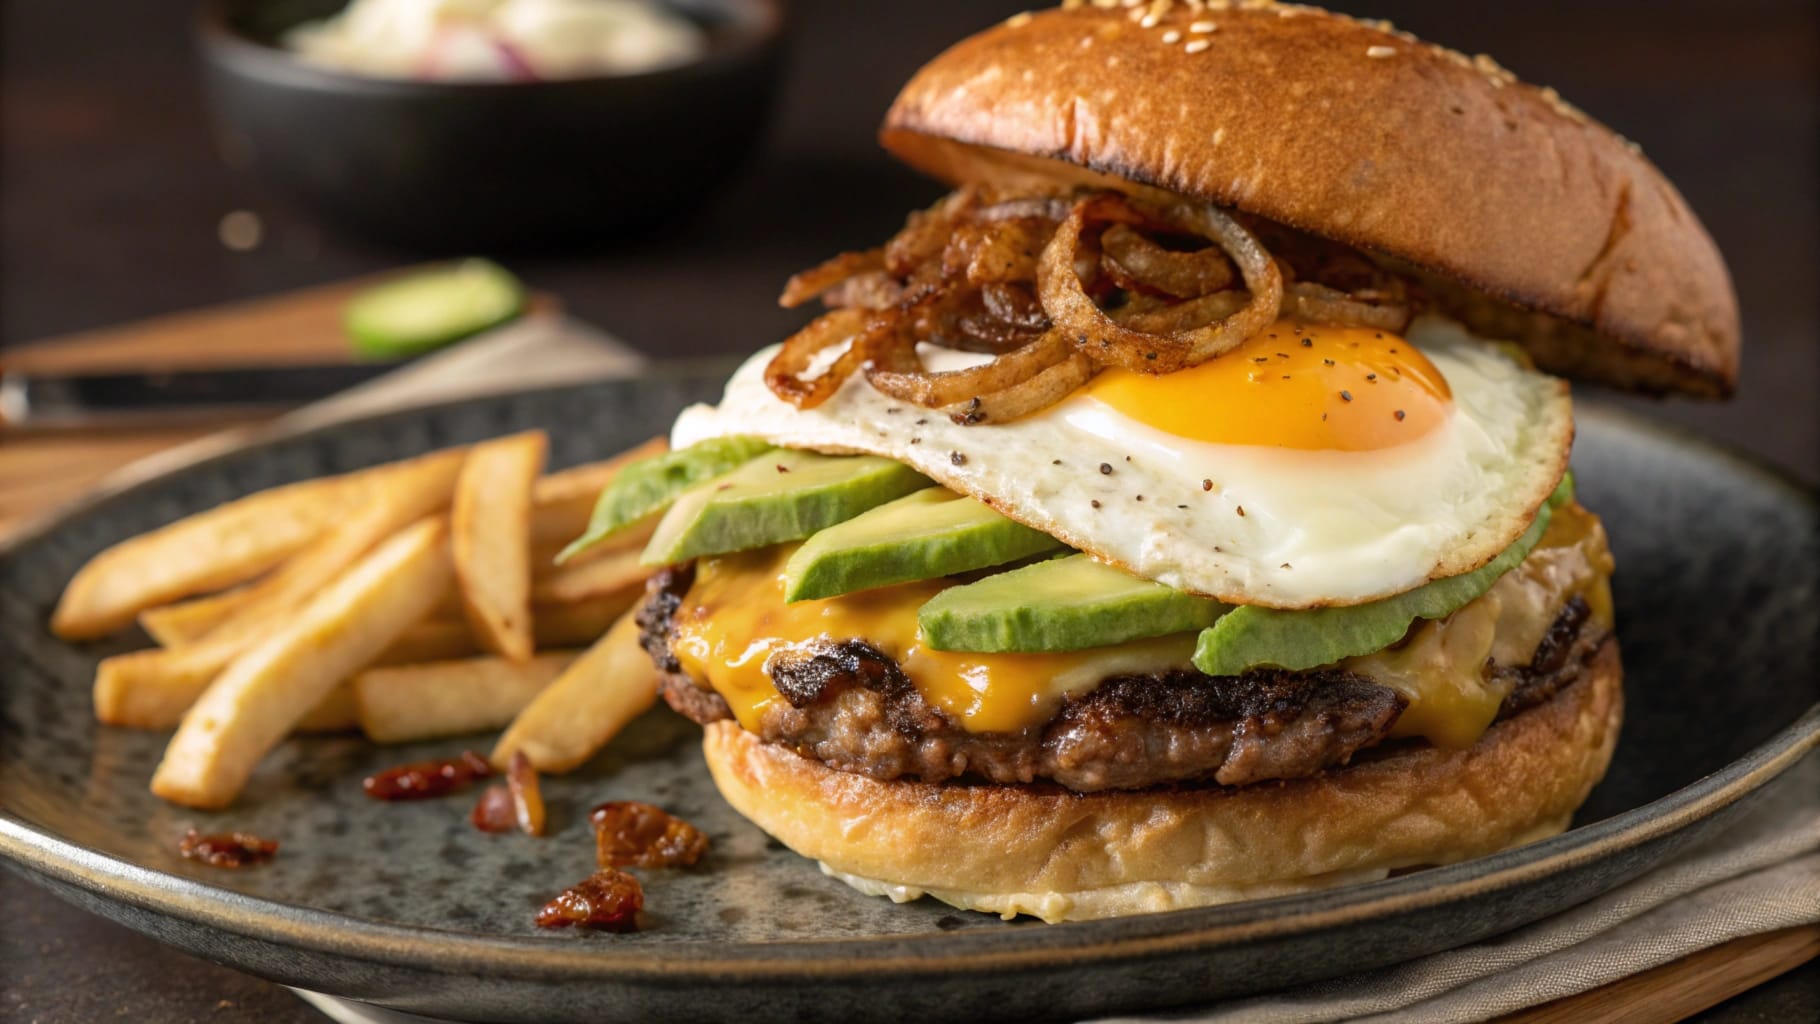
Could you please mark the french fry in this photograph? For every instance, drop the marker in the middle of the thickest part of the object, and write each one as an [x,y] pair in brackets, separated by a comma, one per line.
[223,547]
[334,713]
[403,703]
[608,686]
[267,690]
[632,538]
[433,639]
[610,574]
[491,532]
[582,623]
[562,502]
[173,625]
[152,689]
[553,626]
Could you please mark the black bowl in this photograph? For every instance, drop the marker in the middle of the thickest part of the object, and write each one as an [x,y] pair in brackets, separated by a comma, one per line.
[450,165]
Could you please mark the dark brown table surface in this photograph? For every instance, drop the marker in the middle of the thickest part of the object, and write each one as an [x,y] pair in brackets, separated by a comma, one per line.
[111,196]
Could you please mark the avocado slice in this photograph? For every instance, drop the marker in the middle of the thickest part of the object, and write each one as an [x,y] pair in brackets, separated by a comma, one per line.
[778,496]
[650,485]
[1253,637]
[1065,604]
[933,532]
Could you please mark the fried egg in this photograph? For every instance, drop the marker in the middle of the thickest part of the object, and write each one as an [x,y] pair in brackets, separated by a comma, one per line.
[1310,466]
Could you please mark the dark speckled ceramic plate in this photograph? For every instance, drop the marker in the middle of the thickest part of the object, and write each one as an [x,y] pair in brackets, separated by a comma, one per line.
[406,905]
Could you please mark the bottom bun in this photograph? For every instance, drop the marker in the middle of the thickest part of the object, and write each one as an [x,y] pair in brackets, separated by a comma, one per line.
[1065,856]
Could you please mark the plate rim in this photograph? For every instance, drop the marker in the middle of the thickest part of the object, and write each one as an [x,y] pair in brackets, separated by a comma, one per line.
[442,950]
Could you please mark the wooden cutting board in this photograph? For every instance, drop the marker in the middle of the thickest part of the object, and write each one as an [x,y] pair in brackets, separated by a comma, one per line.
[43,469]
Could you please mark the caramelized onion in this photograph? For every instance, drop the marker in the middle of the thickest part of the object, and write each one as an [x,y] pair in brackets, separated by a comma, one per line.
[1108,342]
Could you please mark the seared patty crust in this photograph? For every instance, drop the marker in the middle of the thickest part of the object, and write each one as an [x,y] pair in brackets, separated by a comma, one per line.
[850,706]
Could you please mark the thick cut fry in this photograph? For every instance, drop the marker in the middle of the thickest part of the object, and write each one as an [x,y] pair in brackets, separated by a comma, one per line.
[152,689]
[268,690]
[225,546]
[491,529]
[563,501]
[632,538]
[434,639]
[186,622]
[608,575]
[611,684]
[553,626]
[450,698]
[334,713]
[582,623]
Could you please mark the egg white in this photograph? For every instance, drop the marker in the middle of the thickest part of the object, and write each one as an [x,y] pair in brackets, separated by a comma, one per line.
[1318,527]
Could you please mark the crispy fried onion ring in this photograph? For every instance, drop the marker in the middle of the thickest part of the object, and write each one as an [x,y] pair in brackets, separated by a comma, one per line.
[784,374]
[1054,289]
[1108,342]
[1317,303]
[1137,264]
[1019,382]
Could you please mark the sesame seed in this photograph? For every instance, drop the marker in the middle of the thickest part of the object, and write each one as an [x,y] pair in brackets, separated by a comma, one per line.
[1241,511]
[1372,377]
[1345,396]
[1203,27]
[1206,485]
[1327,362]
[1095,503]
[1018,20]
[1380,52]
[1172,37]
[1307,342]
[1055,462]
[1196,46]
[1399,415]
[1105,469]
[957,458]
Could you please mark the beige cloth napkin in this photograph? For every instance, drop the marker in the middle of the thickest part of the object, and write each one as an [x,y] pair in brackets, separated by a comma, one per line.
[1759,875]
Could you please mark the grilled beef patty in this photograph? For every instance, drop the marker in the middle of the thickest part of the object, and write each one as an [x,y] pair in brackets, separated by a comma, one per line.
[850,706]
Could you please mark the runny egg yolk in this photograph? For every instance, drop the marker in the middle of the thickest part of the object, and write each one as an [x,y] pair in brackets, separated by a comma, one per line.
[1292,386]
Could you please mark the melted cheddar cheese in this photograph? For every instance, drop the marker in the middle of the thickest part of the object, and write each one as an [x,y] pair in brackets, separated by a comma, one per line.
[734,620]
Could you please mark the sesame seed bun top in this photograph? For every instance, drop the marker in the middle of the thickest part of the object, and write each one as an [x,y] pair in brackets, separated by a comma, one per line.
[1524,217]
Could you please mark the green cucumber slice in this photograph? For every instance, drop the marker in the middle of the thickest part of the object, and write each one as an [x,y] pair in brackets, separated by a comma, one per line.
[432,308]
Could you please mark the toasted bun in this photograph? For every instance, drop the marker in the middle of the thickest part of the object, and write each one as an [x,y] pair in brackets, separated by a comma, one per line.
[1507,198]
[1069,856]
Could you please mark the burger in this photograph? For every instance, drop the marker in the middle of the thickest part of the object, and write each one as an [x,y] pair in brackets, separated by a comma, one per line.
[1178,511]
